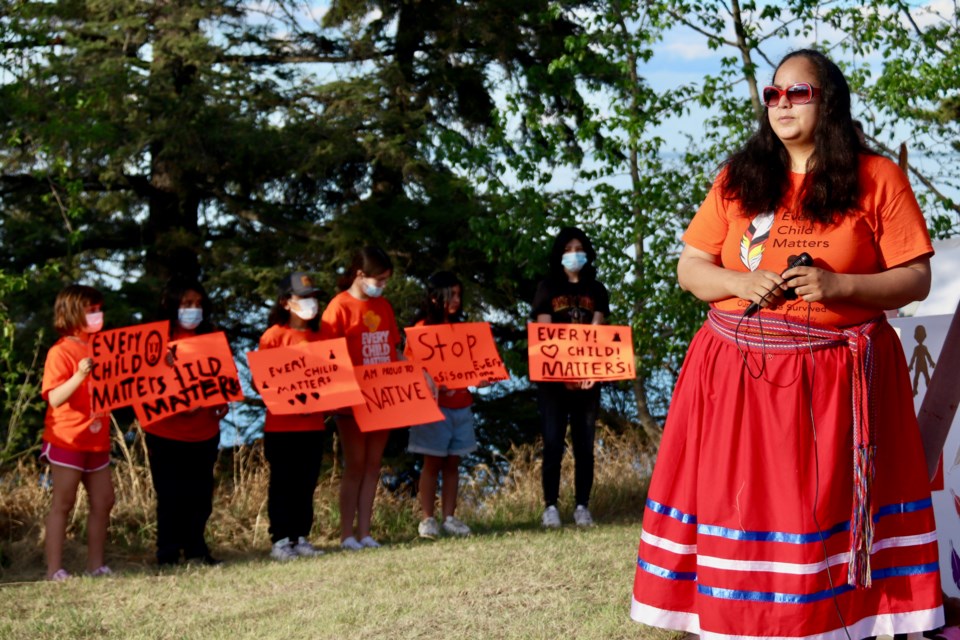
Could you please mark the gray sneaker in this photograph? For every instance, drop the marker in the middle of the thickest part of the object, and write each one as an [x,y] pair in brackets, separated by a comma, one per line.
[304,549]
[283,550]
[351,544]
[455,527]
[581,516]
[428,528]
[551,518]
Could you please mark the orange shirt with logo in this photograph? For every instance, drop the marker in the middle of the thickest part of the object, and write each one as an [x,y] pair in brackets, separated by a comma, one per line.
[886,230]
[72,425]
[368,325]
[284,336]
[198,425]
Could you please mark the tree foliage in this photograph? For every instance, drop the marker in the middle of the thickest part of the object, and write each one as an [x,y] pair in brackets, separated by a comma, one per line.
[234,142]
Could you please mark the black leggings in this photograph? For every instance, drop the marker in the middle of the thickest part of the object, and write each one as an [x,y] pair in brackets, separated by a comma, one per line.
[183,481]
[558,407]
[294,458]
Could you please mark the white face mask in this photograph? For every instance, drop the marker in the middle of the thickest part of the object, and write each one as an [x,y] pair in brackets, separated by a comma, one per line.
[189,318]
[305,308]
[94,322]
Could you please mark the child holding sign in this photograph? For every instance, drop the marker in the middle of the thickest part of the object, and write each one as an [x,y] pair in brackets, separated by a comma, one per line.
[182,449]
[76,442]
[443,443]
[366,320]
[292,443]
[569,294]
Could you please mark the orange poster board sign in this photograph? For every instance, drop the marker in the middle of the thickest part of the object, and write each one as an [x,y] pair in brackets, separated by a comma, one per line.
[395,394]
[570,352]
[304,378]
[457,355]
[199,372]
[127,363]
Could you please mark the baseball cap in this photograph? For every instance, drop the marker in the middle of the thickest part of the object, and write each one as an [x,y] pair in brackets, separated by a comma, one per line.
[299,284]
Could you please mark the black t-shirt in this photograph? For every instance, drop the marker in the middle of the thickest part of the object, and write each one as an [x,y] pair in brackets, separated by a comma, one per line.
[570,302]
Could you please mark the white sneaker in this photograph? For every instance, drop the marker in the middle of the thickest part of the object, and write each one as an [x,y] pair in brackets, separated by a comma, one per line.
[455,527]
[428,528]
[551,518]
[369,543]
[351,544]
[581,515]
[304,549]
[283,550]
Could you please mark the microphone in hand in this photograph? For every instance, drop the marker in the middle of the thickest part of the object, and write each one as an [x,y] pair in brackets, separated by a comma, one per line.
[802,260]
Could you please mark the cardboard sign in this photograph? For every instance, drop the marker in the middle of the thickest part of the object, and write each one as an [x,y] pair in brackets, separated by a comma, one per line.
[200,372]
[395,394]
[127,364]
[457,355]
[571,352]
[304,378]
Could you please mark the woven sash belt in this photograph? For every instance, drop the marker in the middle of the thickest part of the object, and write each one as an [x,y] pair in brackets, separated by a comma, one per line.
[778,335]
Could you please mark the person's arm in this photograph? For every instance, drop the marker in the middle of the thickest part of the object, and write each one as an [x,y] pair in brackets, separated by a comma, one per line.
[58,395]
[701,274]
[890,289]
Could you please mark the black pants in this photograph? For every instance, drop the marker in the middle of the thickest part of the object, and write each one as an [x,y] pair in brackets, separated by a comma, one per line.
[294,458]
[558,407]
[183,480]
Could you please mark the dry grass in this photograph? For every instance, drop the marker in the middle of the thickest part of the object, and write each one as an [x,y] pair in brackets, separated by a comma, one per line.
[238,527]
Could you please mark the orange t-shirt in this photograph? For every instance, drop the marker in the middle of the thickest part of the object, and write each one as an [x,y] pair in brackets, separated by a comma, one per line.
[284,336]
[72,425]
[886,230]
[368,325]
[450,398]
[190,426]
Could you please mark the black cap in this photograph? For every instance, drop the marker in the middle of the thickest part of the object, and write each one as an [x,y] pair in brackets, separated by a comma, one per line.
[299,284]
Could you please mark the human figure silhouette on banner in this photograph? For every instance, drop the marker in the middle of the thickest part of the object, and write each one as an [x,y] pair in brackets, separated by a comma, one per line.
[918,361]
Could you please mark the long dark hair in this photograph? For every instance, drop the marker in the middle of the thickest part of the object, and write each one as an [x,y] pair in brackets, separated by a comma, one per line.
[373,261]
[758,174]
[565,235]
[170,304]
[279,314]
[439,292]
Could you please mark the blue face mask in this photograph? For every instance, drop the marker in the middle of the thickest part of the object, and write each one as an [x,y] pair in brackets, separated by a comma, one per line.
[574,261]
[372,291]
[189,318]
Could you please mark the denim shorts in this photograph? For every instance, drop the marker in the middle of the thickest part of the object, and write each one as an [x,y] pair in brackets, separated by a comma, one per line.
[453,436]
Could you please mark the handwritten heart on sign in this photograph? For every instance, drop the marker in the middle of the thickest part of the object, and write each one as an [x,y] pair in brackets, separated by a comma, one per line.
[550,350]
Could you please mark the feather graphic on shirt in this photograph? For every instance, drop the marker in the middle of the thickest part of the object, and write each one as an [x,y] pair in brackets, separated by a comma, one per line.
[751,245]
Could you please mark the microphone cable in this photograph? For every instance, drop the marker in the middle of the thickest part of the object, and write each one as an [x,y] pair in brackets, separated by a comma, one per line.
[763,344]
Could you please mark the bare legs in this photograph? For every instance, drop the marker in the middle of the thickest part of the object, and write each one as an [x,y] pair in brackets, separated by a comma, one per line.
[362,453]
[99,486]
[433,466]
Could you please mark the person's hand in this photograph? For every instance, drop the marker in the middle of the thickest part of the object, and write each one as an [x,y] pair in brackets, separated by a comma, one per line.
[760,286]
[84,367]
[813,283]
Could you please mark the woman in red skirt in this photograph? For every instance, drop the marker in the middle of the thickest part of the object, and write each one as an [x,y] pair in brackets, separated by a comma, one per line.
[790,497]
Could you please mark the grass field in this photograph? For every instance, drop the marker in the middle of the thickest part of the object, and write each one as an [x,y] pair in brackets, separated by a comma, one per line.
[510,580]
[525,583]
